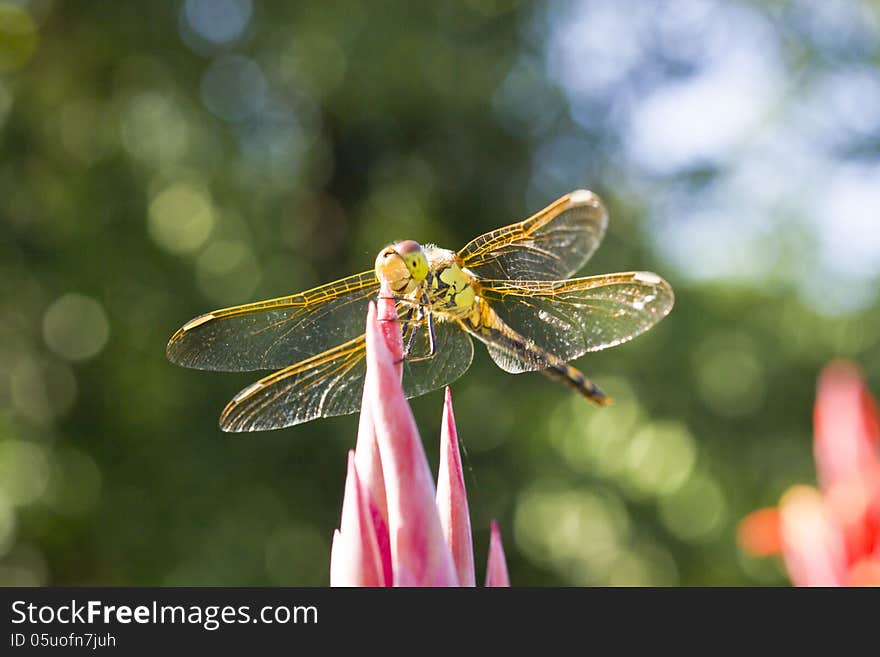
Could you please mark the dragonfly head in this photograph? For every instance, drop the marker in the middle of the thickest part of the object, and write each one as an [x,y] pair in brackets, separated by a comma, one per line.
[403,265]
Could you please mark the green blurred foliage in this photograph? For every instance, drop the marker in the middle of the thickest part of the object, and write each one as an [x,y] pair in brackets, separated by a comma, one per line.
[159,161]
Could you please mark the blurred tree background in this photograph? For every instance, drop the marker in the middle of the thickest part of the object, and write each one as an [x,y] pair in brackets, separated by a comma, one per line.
[162,159]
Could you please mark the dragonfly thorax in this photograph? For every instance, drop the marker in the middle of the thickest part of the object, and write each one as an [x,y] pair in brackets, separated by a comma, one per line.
[450,289]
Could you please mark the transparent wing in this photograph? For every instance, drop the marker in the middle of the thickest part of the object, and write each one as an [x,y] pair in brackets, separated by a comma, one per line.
[455,351]
[517,361]
[569,318]
[332,383]
[278,332]
[328,384]
[553,244]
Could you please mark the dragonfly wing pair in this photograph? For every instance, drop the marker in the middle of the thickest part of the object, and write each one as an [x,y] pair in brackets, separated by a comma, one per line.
[332,383]
[317,336]
[320,331]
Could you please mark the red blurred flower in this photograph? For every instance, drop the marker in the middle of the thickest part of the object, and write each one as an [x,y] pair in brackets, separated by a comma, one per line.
[396,529]
[830,536]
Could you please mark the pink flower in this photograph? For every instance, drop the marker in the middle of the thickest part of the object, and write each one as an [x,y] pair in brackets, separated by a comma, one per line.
[830,536]
[396,529]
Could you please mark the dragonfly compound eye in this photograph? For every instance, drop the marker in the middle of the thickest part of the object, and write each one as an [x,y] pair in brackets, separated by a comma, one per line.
[392,268]
[414,257]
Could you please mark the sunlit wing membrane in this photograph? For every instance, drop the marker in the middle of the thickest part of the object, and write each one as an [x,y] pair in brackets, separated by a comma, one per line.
[571,317]
[516,362]
[332,383]
[553,244]
[325,385]
[278,332]
[455,351]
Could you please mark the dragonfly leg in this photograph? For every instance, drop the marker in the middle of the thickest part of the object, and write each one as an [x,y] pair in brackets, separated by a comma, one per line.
[432,341]
[408,335]
[410,327]
[397,299]
[399,320]
[405,319]
[408,300]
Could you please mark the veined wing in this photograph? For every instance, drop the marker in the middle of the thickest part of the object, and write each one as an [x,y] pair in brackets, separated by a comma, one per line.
[553,244]
[328,384]
[332,383]
[278,332]
[571,317]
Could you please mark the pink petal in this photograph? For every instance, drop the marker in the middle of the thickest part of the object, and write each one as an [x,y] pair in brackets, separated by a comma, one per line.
[759,533]
[369,467]
[811,543]
[864,573]
[846,424]
[389,326]
[337,559]
[854,503]
[496,566]
[419,553]
[354,555]
[452,499]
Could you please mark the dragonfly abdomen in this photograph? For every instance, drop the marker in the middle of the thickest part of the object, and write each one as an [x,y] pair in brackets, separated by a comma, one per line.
[514,353]
[574,378]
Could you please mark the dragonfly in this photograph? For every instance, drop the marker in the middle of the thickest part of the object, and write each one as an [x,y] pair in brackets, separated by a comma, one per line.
[510,289]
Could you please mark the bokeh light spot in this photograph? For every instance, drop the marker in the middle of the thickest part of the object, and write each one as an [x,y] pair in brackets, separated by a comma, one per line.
[7,524]
[181,218]
[645,564]
[42,390]
[23,565]
[24,471]
[571,528]
[18,37]
[696,510]
[730,375]
[234,88]
[218,21]
[74,482]
[595,442]
[659,458]
[228,271]
[75,327]
[154,129]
